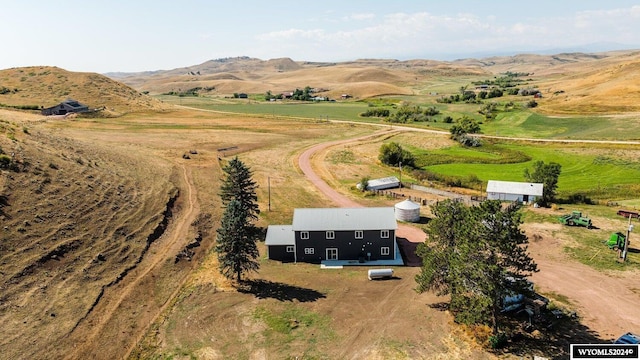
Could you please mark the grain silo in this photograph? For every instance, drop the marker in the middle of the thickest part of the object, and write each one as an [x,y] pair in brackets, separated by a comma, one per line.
[407,211]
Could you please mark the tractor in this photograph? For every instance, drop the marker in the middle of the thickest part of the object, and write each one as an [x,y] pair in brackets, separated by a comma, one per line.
[616,241]
[576,219]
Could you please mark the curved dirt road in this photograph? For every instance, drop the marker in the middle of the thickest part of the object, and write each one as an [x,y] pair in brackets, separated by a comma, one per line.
[608,305]
[412,234]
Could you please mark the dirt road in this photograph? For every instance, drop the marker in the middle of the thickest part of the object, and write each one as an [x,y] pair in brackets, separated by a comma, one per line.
[411,233]
[608,305]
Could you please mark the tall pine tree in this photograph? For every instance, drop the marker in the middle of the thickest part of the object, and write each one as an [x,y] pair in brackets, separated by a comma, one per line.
[237,235]
[236,242]
[239,185]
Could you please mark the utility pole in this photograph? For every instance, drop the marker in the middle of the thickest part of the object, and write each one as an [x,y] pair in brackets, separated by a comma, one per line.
[626,240]
[269,187]
[400,166]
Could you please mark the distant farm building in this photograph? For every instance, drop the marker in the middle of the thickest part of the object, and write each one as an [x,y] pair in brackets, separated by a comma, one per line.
[316,235]
[513,191]
[345,96]
[391,182]
[243,96]
[65,107]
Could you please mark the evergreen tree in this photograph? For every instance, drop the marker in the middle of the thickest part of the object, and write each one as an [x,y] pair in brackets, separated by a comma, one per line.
[236,242]
[237,236]
[239,185]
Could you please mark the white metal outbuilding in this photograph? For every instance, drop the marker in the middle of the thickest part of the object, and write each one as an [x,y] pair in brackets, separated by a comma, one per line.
[390,182]
[513,191]
[407,211]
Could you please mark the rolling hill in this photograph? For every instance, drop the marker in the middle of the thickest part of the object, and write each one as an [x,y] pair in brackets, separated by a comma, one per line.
[570,82]
[44,86]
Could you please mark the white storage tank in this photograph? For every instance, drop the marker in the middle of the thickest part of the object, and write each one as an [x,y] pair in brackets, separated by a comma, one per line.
[374,274]
[407,211]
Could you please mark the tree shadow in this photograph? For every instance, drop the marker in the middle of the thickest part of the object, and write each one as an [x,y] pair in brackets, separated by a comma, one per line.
[550,334]
[264,289]
[4,201]
[408,252]
[440,306]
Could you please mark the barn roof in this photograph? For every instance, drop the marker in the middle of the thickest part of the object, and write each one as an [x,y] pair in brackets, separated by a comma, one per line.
[280,235]
[512,187]
[343,219]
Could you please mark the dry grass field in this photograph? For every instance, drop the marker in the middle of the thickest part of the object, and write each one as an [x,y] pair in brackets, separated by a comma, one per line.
[97,210]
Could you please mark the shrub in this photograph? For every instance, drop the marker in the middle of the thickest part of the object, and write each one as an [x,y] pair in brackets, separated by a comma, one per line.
[498,341]
[376,113]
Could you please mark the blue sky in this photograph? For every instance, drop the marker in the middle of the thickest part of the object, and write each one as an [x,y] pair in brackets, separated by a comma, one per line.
[139,35]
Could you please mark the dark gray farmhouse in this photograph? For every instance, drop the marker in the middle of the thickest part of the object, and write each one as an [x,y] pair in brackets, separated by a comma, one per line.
[362,234]
[65,107]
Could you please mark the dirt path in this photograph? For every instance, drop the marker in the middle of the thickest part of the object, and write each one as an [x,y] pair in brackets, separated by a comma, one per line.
[306,163]
[118,322]
[608,305]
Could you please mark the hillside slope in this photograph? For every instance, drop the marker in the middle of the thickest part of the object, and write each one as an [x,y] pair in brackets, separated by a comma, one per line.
[76,217]
[44,86]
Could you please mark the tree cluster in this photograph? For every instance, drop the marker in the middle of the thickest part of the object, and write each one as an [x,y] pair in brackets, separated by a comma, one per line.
[478,255]
[394,155]
[382,113]
[462,128]
[237,235]
[412,113]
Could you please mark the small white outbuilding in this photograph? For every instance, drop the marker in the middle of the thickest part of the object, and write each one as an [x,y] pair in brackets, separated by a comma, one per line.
[390,182]
[407,211]
[513,191]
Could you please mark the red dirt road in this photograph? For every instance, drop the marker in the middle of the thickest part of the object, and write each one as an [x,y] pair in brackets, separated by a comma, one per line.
[608,305]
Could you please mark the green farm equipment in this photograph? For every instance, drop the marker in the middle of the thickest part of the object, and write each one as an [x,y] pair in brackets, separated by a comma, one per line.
[575,219]
[616,241]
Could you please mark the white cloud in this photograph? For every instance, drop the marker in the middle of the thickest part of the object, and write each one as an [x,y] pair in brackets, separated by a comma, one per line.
[402,35]
[360,17]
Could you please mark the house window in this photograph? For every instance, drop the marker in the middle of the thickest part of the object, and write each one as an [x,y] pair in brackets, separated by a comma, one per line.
[289,249]
[330,235]
[304,235]
[384,250]
[309,251]
[359,234]
[384,234]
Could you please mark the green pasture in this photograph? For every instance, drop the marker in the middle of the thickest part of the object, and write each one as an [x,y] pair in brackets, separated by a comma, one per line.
[519,122]
[597,176]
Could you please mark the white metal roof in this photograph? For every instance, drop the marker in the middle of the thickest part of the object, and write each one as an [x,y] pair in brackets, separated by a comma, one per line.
[379,218]
[511,187]
[382,183]
[280,235]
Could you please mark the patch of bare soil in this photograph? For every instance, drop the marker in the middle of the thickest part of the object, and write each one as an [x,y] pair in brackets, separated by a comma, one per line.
[606,302]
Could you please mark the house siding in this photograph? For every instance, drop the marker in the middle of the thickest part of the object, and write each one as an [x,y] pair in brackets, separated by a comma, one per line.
[279,253]
[349,248]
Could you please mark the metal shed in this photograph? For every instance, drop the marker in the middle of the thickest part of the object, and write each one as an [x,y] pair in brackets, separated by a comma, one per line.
[390,182]
[513,191]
